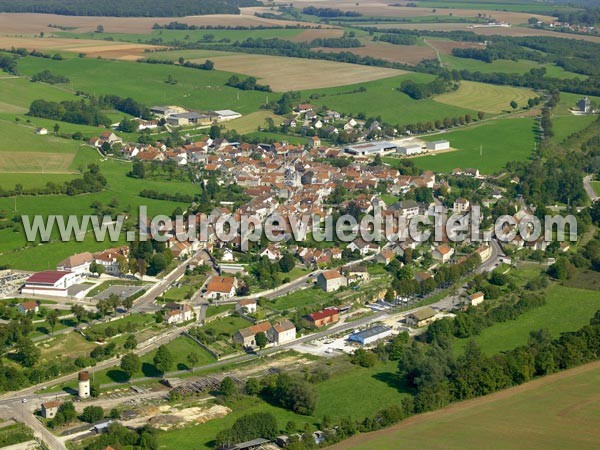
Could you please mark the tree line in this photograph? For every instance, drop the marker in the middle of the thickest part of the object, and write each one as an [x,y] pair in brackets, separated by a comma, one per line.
[247,84]
[329,12]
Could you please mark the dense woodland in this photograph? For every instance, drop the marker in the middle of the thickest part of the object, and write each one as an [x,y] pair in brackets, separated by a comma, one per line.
[131,8]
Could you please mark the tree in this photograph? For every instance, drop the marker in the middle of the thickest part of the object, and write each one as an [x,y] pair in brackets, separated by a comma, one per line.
[100,29]
[130,342]
[52,319]
[56,128]
[228,387]
[261,340]
[163,360]
[79,312]
[287,263]
[92,414]
[215,131]
[138,170]
[27,353]
[193,358]
[363,358]
[130,364]
[514,104]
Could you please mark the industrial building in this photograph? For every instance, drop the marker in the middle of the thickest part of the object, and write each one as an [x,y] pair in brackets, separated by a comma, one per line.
[438,145]
[410,149]
[370,148]
[371,335]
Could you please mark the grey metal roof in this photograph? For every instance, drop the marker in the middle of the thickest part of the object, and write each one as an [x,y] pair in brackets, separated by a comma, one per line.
[370,332]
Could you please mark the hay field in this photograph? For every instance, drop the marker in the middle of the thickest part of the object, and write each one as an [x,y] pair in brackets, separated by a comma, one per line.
[408,54]
[485,97]
[36,162]
[317,33]
[32,24]
[559,411]
[251,122]
[92,48]
[284,74]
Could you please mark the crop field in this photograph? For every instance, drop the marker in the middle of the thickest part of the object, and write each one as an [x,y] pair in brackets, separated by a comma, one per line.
[250,123]
[502,140]
[382,98]
[317,33]
[567,309]
[92,48]
[485,97]
[33,24]
[555,412]
[408,54]
[284,74]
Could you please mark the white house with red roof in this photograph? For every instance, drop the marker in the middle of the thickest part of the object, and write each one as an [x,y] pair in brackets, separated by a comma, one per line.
[50,283]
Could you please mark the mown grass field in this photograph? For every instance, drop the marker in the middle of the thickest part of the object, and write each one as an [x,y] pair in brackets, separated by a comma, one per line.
[485,97]
[503,140]
[566,309]
[555,412]
[505,66]
[251,122]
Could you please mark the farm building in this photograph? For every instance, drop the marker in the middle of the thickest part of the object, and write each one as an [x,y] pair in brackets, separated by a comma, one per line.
[421,317]
[187,118]
[410,149]
[331,280]
[249,445]
[227,114]
[50,282]
[438,145]
[370,148]
[166,111]
[321,318]
[371,335]
[476,298]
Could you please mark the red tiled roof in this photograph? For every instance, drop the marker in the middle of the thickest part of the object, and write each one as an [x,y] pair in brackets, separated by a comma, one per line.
[324,314]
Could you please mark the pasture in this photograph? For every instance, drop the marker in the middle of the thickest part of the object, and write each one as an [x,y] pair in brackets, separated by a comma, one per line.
[566,309]
[555,412]
[285,74]
[485,97]
[503,140]
[382,98]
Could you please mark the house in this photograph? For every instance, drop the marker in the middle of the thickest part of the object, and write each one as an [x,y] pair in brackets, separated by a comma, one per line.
[282,332]
[484,251]
[406,208]
[111,138]
[438,145]
[246,306]
[461,205]
[314,141]
[178,313]
[321,318]
[304,108]
[331,280]
[442,253]
[79,263]
[49,409]
[421,317]
[422,276]
[221,287]
[27,307]
[476,298]
[41,131]
[371,335]
[357,273]
[584,105]
[385,256]
[110,258]
[50,282]
[247,336]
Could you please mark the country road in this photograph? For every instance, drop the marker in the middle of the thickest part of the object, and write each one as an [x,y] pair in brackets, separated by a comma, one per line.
[589,189]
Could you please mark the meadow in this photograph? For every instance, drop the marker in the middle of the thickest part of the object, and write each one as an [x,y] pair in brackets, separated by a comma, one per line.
[486,97]
[350,392]
[382,98]
[555,412]
[502,140]
[566,309]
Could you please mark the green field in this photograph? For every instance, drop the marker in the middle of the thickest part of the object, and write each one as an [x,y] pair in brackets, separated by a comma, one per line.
[350,392]
[382,98]
[556,412]
[198,89]
[494,5]
[299,299]
[486,97]
[503,140]
[504,66]
[16,94]
[567,309]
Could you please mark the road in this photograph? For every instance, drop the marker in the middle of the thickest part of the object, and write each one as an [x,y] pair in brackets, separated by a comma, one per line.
[587,184]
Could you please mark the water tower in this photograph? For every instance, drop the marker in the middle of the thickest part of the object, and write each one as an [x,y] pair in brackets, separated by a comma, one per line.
[84,384]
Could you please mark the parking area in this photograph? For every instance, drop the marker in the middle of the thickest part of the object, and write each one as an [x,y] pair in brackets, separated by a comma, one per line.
[122,292]
[10,282]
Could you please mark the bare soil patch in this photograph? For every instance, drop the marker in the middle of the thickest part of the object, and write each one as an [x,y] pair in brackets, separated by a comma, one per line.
[284,74]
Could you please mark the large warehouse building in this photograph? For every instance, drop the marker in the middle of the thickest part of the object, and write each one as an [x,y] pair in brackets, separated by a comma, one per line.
[438,145]
[370,148]
[410,149]
[371,335]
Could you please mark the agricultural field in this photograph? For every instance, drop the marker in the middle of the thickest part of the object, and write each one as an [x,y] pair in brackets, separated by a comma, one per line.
[285,74]
[486,97]
[502,140]
[554,412]
[566,309]
[251,122]
[407,54]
